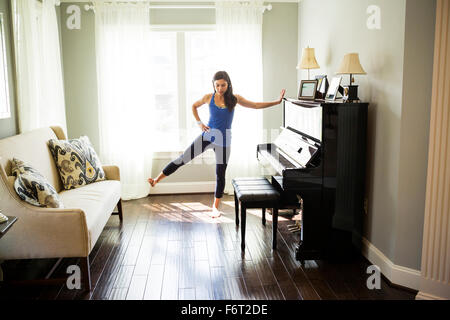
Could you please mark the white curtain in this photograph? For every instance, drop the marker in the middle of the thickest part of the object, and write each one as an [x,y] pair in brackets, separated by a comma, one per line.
[40,88]
[122,32]
[239,30]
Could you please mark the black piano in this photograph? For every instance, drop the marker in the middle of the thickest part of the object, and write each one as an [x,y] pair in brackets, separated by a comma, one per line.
[319,159]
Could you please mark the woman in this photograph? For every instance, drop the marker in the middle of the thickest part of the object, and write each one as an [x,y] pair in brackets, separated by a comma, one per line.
[217,134]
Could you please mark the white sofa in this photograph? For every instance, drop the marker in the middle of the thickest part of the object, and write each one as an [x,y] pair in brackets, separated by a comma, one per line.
[49,232]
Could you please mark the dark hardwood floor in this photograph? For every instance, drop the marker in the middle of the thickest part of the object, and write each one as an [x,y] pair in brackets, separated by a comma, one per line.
[168,248]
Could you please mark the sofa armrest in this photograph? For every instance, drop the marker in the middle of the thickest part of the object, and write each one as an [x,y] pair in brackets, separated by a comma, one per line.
[112,172]
[59,132]
[41,232]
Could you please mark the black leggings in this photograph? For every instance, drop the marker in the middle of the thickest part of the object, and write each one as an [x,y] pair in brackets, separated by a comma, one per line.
[196,148]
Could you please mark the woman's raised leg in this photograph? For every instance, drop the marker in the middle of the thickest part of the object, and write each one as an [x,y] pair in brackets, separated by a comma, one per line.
[197,147]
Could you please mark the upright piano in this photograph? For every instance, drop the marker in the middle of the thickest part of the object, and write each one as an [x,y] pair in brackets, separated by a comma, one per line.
[319,158]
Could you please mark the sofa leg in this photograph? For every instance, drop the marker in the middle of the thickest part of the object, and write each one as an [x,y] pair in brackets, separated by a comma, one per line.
[119,207]
[85,273]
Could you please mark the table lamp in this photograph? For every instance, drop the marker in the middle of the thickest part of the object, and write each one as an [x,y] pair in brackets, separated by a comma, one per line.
[308,60]
[351,65]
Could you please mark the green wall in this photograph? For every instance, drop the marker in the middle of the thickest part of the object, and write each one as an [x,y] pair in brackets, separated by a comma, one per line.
[398,60]
[280,49]
[414,131]
[80,79]
[9,126]
[78,47]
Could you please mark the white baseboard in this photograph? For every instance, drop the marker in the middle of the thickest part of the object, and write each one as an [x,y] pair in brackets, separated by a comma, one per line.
[183,187]
[396,274]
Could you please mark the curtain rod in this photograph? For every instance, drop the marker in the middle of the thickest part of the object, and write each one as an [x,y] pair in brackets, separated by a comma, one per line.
[88,7]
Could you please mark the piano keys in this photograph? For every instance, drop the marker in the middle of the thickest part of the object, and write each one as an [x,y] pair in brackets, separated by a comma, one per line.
[319,158]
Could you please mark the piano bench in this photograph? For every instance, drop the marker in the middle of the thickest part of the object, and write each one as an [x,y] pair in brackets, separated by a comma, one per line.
[255,193]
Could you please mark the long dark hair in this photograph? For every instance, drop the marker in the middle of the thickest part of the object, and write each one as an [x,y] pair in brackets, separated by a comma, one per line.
[230,99]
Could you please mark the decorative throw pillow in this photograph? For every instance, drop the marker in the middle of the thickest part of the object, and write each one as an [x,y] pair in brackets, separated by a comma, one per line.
[77,162]
[32,187]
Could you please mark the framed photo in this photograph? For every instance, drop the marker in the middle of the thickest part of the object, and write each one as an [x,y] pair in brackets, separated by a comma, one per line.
[333,89]
[322,83]
[307,90]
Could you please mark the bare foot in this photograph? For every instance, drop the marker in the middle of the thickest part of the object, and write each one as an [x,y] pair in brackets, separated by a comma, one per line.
[152,182]
[215,213]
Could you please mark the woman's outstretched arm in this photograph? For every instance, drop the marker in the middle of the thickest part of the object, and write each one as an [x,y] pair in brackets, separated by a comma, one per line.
[259,105]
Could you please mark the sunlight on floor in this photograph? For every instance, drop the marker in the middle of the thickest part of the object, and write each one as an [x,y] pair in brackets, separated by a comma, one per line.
[187,212]
[198,212]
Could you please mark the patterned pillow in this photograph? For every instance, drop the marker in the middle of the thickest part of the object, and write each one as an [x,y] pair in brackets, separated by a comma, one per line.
[32,187]
[77,162]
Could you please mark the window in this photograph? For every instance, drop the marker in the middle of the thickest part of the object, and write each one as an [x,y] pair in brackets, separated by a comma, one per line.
[183,64]
[200,67]
[164,91]
[5,111]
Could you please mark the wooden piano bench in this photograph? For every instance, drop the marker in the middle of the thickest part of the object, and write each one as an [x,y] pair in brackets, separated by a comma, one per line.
[255,193]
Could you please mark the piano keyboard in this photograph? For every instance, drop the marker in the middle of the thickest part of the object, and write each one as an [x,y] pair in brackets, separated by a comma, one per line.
[287,161]
[279,164]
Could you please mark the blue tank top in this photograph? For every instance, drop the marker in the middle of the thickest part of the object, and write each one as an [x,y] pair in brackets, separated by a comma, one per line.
[220,120]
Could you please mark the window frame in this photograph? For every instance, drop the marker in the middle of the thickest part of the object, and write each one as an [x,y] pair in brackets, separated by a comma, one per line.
[181,81]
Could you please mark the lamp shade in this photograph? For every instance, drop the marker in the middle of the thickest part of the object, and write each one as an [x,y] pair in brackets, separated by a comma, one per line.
[351,65]
[308,60]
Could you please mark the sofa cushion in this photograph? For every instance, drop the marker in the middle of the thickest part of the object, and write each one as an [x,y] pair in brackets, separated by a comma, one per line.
[32,187]
[77,162]
[97,200]
[31,147]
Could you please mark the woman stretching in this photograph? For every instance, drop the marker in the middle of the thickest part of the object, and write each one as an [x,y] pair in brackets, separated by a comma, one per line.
[217,134]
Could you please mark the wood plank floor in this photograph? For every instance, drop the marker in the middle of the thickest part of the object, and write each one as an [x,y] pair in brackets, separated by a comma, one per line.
[168,248]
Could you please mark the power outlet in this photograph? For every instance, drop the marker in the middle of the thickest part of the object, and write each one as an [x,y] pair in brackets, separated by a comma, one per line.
[366,206]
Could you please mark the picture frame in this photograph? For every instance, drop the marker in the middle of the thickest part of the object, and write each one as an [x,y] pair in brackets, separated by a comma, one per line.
[5,111]
[307,90]
[333,88]
[322,86]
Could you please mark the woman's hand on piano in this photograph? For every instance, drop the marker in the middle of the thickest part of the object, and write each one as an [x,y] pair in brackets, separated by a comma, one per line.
[283,91]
